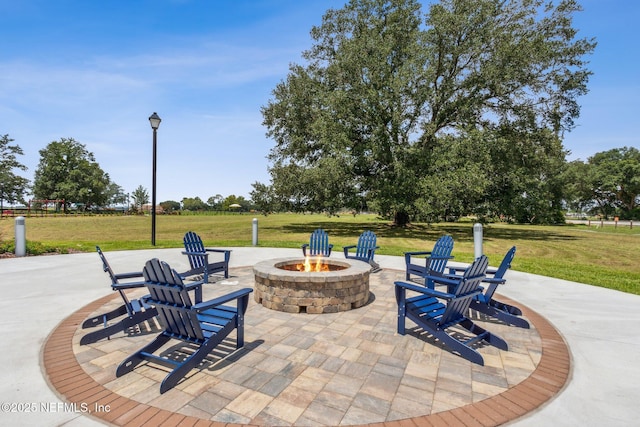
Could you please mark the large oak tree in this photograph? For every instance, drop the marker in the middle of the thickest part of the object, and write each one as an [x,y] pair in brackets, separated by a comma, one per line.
[420,114]
[68,171]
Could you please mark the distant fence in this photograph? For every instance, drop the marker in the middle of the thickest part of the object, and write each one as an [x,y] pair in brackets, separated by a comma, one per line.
[603,222]
[33,212]
[14,212]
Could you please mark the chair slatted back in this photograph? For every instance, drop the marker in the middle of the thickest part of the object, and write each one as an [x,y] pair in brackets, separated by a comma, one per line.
[193,243]
[464,291]
[366,244]
[500,272]
[319,243]
[440,255]
[172,301]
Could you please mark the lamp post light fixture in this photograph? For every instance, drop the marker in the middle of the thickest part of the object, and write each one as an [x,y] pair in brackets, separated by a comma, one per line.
[154,119]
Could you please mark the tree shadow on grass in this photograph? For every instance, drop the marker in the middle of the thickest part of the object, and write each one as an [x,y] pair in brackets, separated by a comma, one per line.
[459,232]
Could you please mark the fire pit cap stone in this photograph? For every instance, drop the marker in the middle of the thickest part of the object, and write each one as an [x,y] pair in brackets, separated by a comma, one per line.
[269,270]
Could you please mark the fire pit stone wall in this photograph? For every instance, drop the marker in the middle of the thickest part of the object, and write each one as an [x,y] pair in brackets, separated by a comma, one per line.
[311,292]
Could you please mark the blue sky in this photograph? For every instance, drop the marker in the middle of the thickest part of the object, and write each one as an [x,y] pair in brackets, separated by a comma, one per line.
[95,71]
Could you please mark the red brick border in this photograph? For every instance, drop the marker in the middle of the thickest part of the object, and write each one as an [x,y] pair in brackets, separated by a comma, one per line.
[73,384]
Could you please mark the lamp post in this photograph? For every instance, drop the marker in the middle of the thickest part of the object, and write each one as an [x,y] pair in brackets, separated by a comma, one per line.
[154,119]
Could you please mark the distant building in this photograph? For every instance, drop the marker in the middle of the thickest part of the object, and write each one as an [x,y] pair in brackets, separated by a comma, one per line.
[147,208]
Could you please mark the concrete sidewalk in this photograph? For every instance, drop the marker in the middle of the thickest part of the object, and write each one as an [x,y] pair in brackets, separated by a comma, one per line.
[598,325]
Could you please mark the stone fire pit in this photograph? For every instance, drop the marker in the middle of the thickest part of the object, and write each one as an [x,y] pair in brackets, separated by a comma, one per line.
[344,287]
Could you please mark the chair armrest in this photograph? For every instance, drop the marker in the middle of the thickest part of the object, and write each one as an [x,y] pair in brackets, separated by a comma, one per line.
[440,257]
[221,300]
[130,275]
[429,259]
[410,254]
[427,256]
[193,285]
[127,285]
[454,269]
[425,290]
[491,271]
[202,254]
[486,279]
[347,248]
[222,251]
[443,280]
[371,252]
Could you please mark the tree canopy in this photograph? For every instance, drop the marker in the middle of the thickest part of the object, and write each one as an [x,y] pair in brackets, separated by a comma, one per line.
[140,197]
[608,183]
[68,171]
[12,187]
[420,115]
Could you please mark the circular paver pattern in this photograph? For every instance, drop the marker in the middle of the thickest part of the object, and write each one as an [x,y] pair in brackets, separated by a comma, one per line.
[348,368]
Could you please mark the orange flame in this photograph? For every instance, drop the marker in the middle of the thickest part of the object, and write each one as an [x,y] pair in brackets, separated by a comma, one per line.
[316,266]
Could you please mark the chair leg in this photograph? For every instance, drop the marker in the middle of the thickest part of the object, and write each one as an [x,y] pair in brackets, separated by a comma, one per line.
[464,350]
[172,379]
[121,326]
[128,364]
[401,299]
[241,308]
[499,314]
[102,318]
[441,335]
[487,336]
[511,309]
[205,274]
[192,361]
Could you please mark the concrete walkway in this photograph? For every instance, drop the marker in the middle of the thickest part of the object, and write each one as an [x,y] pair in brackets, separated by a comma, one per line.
[599,325]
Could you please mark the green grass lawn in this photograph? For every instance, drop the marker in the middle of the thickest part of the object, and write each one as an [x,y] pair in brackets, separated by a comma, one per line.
[606,257]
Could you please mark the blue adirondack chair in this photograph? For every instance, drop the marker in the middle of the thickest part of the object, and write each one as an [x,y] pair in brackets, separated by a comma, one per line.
[135,310]
[485,303]
[364,250]
[435,260]
[436,312]
[204,325]
[198,257]
[318,244]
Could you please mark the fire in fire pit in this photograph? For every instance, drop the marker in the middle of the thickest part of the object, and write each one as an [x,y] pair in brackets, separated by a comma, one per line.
[284,285]
[315,265]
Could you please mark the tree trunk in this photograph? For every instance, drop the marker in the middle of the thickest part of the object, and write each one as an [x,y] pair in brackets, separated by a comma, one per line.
[401,219]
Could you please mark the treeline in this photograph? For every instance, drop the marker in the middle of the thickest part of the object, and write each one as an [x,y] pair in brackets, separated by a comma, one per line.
[69,179]
[607,184]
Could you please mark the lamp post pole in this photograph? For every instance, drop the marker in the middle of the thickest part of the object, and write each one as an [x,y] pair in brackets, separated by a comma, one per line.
[154,119]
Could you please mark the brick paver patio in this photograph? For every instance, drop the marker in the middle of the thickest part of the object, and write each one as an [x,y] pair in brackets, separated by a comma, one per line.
[348,368]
